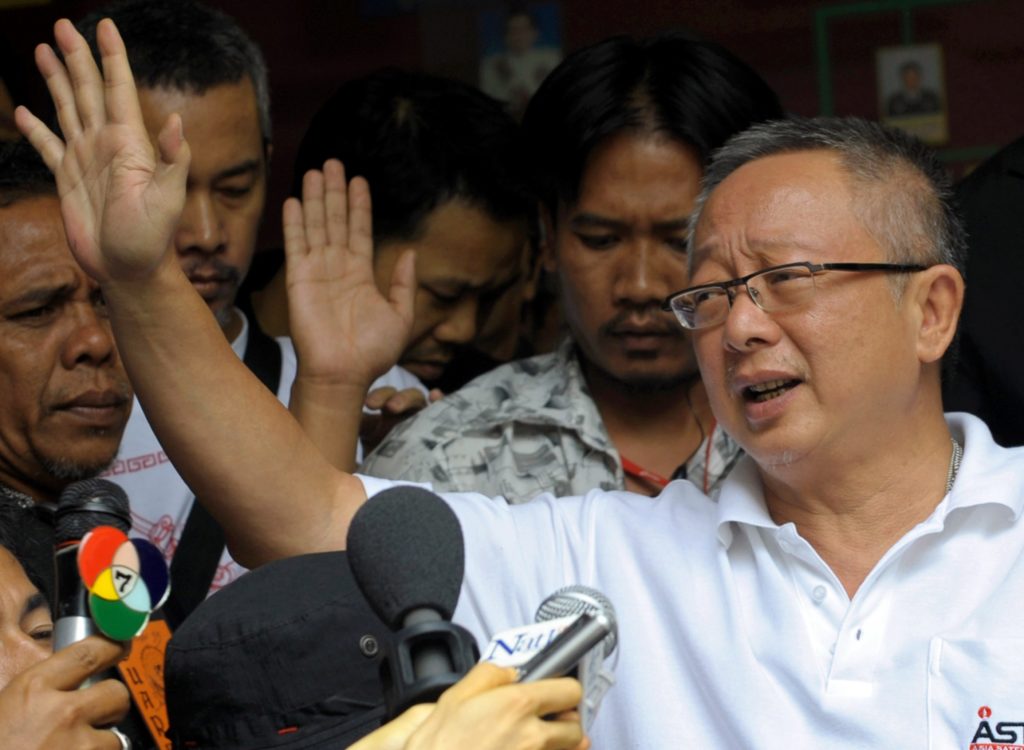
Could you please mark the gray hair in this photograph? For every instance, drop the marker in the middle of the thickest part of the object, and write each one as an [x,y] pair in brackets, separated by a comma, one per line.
[183,45]
[904,195]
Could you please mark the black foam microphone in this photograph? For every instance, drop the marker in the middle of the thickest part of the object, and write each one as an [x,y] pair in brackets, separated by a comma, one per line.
[81,508]
[406,552]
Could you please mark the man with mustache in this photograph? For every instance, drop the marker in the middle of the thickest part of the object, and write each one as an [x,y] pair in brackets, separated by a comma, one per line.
[64,402]
[64,395]
[618,135]
[196,61]
[849,587]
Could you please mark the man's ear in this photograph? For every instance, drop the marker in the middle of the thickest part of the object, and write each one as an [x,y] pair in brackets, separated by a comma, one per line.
[547,240]
[938,294]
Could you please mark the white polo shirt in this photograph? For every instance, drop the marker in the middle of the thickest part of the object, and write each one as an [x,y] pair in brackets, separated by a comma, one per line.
[735,634]
[160,499]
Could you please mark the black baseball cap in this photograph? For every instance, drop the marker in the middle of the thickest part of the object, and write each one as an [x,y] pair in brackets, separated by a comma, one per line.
[287,656]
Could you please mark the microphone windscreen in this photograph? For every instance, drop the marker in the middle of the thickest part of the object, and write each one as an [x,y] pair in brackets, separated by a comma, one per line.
[90,503]
[406,552]
[575,600]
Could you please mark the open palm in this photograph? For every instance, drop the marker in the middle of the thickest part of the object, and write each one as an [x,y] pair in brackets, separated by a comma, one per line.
[120,199]
[345,330]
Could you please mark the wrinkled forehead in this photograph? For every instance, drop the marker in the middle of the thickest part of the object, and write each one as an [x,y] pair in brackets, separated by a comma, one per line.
[785,199]
[221,122]
[32,241]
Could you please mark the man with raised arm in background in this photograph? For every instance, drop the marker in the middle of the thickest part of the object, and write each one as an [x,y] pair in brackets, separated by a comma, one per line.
[618,137]
[196,61]
[843,590]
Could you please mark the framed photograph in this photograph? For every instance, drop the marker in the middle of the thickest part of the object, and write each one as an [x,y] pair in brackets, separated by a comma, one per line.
[912,90]
[519,45]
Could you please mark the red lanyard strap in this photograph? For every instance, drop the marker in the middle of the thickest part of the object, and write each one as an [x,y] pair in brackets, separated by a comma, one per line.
[637,471]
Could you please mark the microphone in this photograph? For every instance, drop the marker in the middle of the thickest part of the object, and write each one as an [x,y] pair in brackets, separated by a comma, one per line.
[81,508]
[562,655]
[596,616]
[583,600]
[575,631]
[406,551]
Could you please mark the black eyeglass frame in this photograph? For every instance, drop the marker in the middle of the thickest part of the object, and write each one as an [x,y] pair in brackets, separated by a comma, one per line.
[813,268]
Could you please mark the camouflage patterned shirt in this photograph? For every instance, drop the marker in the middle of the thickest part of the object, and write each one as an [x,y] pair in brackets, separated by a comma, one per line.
[525,428]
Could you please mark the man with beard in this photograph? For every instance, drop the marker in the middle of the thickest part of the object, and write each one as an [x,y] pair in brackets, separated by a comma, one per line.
[64,395]
[618,135]
[845,589]
[196,61]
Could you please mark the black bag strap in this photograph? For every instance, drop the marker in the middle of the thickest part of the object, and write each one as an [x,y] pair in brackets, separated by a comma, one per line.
[202,540]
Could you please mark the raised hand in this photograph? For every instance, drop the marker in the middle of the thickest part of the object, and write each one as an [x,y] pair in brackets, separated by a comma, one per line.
[120,200]
[345,330]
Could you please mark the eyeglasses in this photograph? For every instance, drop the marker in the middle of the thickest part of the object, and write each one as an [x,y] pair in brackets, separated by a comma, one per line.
[771,289]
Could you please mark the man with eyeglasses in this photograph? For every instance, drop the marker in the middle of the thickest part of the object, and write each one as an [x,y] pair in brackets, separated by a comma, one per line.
[852,587]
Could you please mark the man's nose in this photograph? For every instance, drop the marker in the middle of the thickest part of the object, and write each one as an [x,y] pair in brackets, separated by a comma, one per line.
[200,228]
[90,339]
[642,273]
[459,327]
[747,326]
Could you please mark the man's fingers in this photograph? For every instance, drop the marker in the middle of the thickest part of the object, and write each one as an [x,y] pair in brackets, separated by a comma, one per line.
[336,203]
[104,703]
[552,696]
[392,401]
[49,146]
[484,676]
[171,174]
[313,208]
[122,100]
[85,76]
[174,153]
[402,292]
[404,402]
[562,735]
[61,92]
[360,220]
[294,232]
[67,668]
[376,398]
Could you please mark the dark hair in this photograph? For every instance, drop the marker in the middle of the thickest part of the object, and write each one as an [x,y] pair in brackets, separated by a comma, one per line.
[672,84]
[520,10]
[22,173]
[913,65]
[903,193]
[18,537]
[185,46]
[420,141]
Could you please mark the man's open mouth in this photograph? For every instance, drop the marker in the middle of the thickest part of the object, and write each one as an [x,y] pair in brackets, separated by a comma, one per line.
[768,390]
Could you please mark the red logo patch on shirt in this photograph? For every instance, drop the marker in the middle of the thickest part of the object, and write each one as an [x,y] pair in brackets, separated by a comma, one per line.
[999,735]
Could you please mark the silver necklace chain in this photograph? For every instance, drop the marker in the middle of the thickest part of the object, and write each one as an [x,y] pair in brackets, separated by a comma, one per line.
[954,464]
